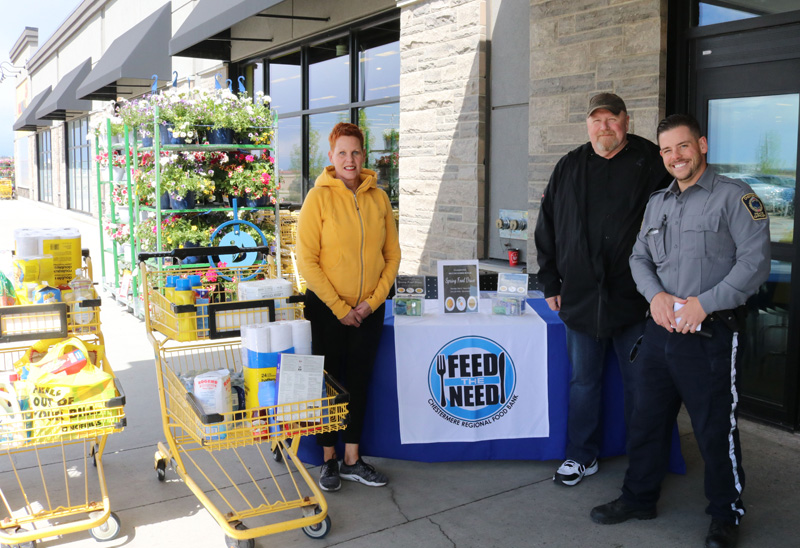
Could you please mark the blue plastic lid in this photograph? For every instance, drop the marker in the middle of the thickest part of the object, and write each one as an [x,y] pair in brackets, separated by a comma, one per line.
[171,280]
[195,279]
[183,284]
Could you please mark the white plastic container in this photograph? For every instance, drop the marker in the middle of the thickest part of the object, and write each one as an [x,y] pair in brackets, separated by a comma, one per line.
[213,391]
[12,428]
[81,290]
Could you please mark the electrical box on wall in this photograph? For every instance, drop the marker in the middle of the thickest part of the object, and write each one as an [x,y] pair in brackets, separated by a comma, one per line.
[513,224]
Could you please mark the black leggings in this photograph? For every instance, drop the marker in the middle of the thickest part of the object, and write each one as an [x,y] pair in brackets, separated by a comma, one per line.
[349,357]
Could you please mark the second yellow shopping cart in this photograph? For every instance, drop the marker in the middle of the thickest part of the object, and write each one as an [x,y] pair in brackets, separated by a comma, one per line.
[230,460]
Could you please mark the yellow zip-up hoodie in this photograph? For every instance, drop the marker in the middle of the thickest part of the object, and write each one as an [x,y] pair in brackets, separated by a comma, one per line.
[348,249]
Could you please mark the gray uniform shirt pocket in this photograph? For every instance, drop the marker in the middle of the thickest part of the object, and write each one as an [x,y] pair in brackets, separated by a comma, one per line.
[701,237]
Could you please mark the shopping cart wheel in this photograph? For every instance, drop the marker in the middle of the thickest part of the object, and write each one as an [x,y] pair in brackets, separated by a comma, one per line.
[161,469]
[320,529]
[235,543]
[107,531]
[277,453]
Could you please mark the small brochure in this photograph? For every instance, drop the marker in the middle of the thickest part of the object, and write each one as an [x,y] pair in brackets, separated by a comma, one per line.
[512,284]
[409,285]
[459,287]
[409,296]
[301,378]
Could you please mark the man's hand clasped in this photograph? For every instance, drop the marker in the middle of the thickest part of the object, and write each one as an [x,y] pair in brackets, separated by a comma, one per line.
[662,309]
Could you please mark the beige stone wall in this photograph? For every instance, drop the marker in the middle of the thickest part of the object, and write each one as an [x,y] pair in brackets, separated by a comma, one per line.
[442,119]
[579,48]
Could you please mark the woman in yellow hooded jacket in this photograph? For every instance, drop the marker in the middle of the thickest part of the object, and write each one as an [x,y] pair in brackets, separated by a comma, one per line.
[349,254]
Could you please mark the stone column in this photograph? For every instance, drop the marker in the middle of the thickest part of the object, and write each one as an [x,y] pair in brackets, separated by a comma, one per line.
[442,119]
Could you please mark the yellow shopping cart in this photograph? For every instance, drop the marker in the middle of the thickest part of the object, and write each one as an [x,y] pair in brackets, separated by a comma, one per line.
[225,458]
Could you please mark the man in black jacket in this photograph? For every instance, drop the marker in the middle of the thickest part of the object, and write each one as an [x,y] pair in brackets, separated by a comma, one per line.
[590,214]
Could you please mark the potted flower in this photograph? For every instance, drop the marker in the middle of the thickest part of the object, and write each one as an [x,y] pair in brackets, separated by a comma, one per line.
[137,114]
[252,178]
[221,110]
[181,116]
[184,180]
[390,139]
[253,122]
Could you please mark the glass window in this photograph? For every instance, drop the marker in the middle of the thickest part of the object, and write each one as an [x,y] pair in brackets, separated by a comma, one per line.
[254,78]
[329,74]
[765,364]
[78,148]
[755,139]
[290,159]
[379,62]
[711,12]
[381,139]
[285,85]
[45,164]
[312,86]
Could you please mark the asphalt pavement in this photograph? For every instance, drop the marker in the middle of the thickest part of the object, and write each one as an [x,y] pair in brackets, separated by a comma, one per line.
[463,504]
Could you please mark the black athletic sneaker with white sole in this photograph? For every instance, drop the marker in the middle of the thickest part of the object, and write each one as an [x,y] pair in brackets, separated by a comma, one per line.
[571,473]
[329,476]
[362,473]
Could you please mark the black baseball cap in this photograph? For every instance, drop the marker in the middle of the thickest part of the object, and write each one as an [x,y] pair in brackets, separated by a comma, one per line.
[608,101]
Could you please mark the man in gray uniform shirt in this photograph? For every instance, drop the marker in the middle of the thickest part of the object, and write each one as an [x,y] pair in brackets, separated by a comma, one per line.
[703,249]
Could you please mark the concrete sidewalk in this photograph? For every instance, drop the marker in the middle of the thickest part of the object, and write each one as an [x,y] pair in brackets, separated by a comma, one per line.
[463,504]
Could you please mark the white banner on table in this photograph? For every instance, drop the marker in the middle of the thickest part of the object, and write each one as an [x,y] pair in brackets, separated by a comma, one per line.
[471,377]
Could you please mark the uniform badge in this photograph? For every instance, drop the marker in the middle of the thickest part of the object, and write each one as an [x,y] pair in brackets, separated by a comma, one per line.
[754,206]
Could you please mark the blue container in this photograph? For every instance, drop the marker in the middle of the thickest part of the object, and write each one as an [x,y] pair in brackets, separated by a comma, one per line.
[185,202]
[220,136]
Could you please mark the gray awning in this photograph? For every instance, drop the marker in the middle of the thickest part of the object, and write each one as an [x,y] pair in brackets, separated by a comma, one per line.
[62,102]
[206,33]
[127,66]
[28,121]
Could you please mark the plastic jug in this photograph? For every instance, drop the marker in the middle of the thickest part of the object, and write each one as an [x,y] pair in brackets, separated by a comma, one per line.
[187,321]
[81,290]
[169,288]
[12,426]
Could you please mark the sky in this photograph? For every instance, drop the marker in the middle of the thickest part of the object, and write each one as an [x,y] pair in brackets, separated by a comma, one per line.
[47,16]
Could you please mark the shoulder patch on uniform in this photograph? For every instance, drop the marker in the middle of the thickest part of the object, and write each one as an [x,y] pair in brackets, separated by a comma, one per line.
[754,206]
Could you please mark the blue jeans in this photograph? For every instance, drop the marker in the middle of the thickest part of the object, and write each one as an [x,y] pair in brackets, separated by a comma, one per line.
[588,358]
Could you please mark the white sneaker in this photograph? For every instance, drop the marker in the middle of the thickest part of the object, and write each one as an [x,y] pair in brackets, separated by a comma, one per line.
[571,472]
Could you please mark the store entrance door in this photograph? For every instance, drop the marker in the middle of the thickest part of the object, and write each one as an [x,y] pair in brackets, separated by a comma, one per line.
[749,105]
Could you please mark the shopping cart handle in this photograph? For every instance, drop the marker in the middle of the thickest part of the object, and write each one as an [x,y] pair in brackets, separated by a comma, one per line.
[119,401]
[200,252]
[342,395]
[201,414]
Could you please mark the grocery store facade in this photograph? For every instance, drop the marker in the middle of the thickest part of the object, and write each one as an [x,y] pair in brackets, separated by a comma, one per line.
[467,105]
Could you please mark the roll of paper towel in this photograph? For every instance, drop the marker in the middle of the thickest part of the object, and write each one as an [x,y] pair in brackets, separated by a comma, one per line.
[27,241]
[255,344]
[301,336]
[280,337]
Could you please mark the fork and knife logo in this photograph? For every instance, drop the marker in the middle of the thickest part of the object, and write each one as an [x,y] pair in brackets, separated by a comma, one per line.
[471,378]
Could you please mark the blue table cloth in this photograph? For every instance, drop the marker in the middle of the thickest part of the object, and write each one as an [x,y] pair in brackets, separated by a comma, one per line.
[381,435]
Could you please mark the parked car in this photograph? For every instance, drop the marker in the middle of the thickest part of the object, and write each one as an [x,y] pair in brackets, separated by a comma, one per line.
[776,192]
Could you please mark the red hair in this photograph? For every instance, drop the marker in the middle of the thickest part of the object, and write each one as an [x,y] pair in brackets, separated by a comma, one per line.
[344,129]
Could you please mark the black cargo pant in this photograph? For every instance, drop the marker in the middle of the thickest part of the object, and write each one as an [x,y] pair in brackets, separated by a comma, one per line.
[349,357]
[701,372]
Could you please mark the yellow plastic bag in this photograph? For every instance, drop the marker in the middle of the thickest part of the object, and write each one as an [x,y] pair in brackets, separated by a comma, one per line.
[69,406]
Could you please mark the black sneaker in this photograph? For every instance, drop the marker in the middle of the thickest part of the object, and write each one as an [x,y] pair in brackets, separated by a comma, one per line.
[571,472]
[722,534]
[618,511]
[329,476]
[363,473]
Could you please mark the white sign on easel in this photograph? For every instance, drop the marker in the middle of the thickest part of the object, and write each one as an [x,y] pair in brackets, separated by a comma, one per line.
[459,288]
